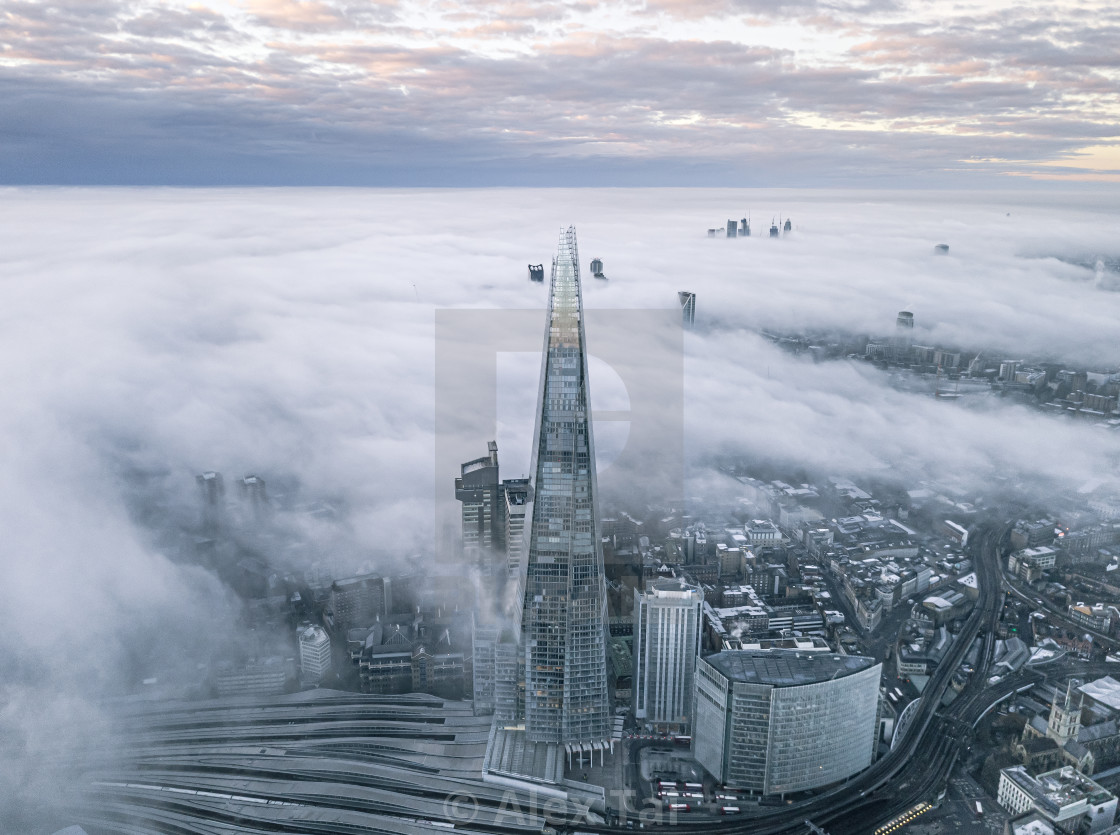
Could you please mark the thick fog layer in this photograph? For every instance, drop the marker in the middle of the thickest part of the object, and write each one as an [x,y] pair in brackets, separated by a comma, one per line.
[148,336]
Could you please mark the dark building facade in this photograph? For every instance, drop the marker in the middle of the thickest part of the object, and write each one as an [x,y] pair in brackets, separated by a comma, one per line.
[483,510]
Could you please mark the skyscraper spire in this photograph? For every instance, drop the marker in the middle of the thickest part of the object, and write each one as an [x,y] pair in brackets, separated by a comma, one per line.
[564,617]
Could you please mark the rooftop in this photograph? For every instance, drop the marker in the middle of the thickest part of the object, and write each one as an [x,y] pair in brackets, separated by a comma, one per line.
[1032,823]
[782,668]
[673,589]
[1057,789]
[1104,690]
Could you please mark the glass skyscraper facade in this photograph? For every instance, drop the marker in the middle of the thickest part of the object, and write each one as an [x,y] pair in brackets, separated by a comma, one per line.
[563,631]
[688,308]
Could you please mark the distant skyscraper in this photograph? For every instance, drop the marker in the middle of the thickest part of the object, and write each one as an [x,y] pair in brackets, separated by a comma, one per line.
[788,226]
[254,498]
[212,491]
[495,642]
[563,634]
[745,228]
[478,488]
[536,272]
[666,646]
[774,233]
[688,307]
[904,336]
[597,268]
[732,228]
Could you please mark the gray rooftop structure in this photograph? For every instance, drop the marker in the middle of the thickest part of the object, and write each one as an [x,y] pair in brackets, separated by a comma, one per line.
[781,668]
[1104,690]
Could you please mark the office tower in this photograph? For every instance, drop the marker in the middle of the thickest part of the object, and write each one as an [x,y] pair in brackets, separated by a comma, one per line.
[314,654]
[745,228]
[732,228]
[597,268]
[254,498]
[688,307]
[667,623]
[788,226]
[903,337]
[497,680]
[772,722]
[478,488]
[563,633]
[773,229]
[1008,369]
[515,496]
[536,272]
[212,492]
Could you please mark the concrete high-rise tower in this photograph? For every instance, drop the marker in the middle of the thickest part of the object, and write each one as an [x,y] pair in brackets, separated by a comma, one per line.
[212,491]
[254,498]
[563,634]
[903,336]
[667,621]
[479,491]
[314,654]
[688,307]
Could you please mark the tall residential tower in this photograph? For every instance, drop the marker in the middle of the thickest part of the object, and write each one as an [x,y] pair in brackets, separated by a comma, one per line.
[563,634]
[667,621]
[479,491]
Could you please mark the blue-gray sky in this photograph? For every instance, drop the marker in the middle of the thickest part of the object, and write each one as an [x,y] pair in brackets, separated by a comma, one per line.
[661,92]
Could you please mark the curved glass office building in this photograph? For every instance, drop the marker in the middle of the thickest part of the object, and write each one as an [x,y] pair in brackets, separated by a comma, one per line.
[774,721]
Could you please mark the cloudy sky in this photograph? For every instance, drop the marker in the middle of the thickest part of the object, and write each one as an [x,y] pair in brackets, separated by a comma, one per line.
[800,93]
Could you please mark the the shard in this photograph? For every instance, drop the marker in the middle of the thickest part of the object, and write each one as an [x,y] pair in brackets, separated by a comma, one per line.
[563,635]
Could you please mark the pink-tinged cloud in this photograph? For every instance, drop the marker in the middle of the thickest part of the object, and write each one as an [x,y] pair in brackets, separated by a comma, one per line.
[336,79]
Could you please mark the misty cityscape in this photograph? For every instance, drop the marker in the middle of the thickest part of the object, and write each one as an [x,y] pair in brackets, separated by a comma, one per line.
[570,418]
[894,517]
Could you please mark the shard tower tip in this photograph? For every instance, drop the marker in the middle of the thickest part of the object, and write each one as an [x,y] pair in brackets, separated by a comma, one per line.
[564,616]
